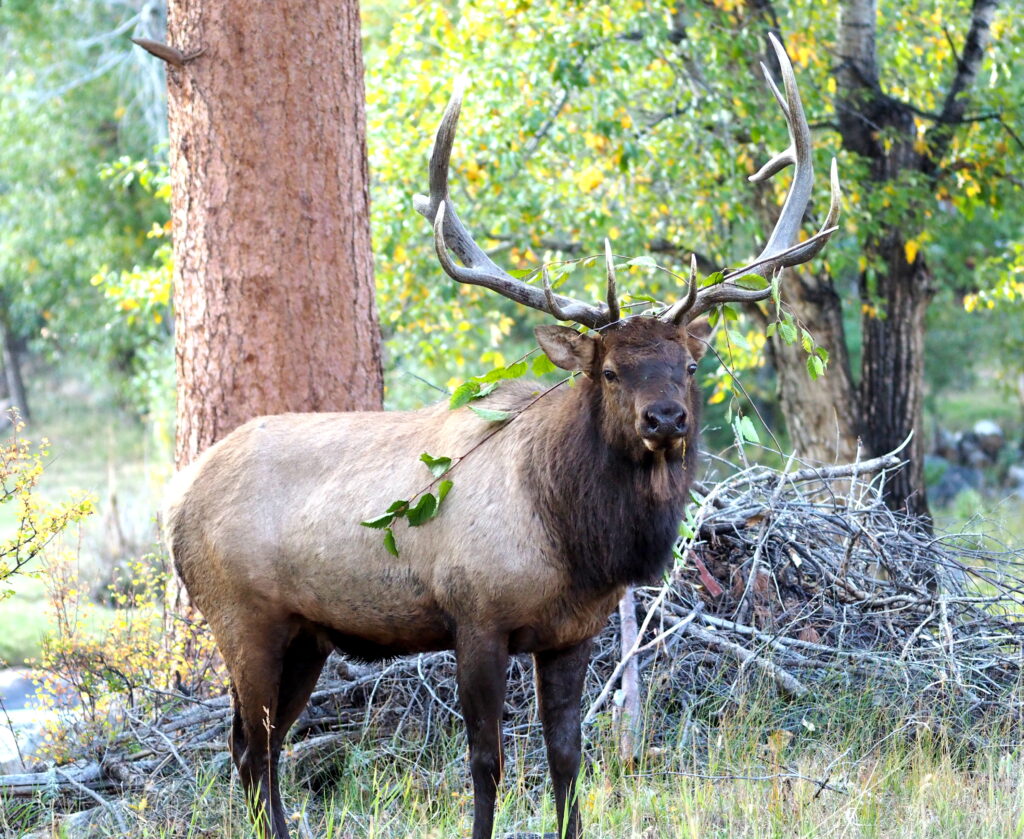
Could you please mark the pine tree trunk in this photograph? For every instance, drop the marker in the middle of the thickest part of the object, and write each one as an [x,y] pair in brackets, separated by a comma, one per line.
[274,294]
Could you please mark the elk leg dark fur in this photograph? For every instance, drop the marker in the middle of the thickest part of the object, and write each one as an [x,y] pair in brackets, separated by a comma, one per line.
[256,738]
[482,664]
[303,660]
[560,675]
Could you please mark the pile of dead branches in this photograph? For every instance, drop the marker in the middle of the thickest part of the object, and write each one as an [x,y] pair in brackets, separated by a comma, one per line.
[801,578]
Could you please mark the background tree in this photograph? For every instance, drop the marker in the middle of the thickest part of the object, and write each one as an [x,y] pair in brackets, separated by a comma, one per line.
[73,99]
[274,296]
[642,122]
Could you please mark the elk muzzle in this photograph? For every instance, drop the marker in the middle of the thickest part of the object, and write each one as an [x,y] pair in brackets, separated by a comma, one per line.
[662,424]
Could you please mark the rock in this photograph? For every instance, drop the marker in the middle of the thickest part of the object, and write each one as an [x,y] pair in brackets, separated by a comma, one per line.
[990,438]
[955,480]
[945,444]
[1015,480]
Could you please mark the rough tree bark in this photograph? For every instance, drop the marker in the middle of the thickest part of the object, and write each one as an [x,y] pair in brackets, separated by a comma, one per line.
[274,293]
[896,296]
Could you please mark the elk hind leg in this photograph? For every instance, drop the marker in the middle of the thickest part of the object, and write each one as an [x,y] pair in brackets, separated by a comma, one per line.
[256,664]
[303,660]
[560,675]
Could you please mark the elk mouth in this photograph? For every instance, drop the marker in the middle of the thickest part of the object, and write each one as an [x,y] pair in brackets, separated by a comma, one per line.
[662,443]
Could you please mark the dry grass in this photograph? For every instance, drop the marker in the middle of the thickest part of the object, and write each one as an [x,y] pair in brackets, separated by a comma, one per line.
[741,778]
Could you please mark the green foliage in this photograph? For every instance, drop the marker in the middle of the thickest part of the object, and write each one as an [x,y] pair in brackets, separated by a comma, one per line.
[424,506]
[72,98]
[34,524]
[595,120]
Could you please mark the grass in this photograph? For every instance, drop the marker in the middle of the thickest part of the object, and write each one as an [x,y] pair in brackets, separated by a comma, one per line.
[740,779]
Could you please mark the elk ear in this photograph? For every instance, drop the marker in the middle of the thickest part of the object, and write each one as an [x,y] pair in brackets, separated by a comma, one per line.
[567,348]
[696,335]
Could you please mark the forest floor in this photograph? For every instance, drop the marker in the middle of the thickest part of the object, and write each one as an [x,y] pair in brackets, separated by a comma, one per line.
[740,778]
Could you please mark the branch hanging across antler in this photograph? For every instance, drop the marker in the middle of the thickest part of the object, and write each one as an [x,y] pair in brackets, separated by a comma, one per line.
[783,249]
[477,267]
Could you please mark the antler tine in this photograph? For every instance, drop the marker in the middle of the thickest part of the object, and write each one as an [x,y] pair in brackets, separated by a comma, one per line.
[549,295]
[783,250]
[680,308]
[478,268]
[613,299]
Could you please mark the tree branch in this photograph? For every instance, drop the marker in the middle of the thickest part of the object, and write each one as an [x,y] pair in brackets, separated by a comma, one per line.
[968,65]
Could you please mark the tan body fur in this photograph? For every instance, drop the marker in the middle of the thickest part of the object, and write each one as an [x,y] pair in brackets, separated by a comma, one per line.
[286,542]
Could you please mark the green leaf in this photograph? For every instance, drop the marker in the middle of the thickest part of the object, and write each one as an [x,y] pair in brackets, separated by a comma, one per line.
[396,509]
[713,279]
[379,522]
[519,273]
[437,465]
[443,489]
[464,393]
[747,430]
[423,511]
[491,415]
[644,261]
[736,337]
[806,341]
[788,332]
[513,371]
[468,391]
[542,364]
[752,281]
[822,354]
[771,329]
[389,542]
[815,367]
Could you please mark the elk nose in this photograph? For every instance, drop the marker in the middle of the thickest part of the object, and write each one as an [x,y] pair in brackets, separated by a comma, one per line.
[663,420]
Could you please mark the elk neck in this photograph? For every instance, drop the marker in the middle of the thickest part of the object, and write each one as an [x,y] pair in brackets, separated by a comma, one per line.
[610,508]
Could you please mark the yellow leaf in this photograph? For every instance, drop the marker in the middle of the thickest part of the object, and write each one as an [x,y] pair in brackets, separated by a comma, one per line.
[400,254]
[910,250]
[970,302]
[590,179]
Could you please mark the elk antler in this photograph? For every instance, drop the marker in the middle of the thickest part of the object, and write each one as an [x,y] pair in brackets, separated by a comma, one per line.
[477,267]
[783,249]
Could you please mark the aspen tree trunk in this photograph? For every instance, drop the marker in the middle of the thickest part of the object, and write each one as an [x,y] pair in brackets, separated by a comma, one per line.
[821,415]
[273,286]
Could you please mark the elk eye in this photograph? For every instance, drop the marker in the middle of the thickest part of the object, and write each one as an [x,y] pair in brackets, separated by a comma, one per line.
[610,375]
[691,367]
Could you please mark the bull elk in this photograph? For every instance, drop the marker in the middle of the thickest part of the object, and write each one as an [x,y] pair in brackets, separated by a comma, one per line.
[573,500]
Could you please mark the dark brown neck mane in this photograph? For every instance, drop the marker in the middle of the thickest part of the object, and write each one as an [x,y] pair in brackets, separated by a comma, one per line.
[612,510]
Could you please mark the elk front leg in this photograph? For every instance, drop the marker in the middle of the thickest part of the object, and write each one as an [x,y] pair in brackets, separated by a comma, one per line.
[560,675]
[482,664]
